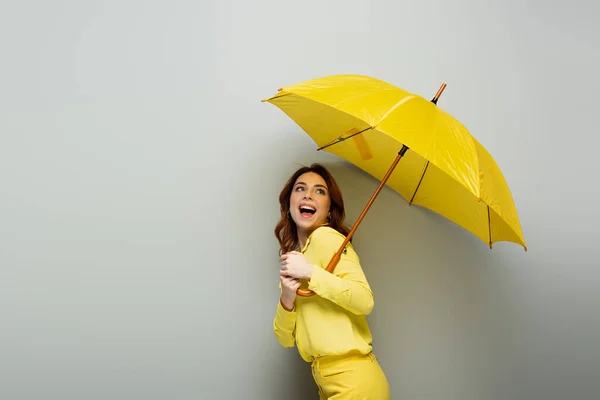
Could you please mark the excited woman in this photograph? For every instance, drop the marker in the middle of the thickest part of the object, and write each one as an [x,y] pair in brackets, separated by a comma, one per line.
[329,329]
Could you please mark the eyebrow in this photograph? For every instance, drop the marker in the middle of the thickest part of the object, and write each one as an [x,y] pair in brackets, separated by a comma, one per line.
[318,185]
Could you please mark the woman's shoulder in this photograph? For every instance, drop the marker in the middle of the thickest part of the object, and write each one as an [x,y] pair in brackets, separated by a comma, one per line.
[328,239]
[326,231]
[328,235]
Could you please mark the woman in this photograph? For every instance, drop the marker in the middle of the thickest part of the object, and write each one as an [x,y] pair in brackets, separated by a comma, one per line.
[330,328]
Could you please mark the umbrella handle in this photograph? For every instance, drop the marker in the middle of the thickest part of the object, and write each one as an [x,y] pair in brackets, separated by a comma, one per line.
[336,257]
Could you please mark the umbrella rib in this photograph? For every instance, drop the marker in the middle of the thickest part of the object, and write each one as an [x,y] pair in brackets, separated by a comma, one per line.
[277,96]
[398,104]
[419,184]
[489,225]
[341,139]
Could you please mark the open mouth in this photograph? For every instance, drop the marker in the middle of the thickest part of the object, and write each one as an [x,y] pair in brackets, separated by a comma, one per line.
[307,211]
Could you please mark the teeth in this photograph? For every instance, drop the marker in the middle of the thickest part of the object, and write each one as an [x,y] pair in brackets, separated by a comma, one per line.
[309,208]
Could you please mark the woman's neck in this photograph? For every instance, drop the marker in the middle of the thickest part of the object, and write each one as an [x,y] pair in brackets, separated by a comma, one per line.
[302,238]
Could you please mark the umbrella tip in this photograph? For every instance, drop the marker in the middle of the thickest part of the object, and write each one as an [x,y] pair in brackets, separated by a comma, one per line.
[438,94]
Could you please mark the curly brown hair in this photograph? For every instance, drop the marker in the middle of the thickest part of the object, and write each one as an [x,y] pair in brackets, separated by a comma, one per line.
[285,230]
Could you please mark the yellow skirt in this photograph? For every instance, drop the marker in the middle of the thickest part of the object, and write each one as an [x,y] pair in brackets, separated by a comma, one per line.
[350,377]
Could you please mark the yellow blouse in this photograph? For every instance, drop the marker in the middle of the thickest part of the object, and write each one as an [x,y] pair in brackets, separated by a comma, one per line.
[333,321]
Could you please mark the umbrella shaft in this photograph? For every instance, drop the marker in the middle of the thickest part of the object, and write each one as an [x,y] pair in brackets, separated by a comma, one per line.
[368,206]
[336,257]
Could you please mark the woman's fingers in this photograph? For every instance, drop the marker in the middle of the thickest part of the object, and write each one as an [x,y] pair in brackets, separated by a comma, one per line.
[289,279]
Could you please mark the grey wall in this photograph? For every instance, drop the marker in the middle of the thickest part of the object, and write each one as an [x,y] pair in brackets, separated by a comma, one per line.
[139,178]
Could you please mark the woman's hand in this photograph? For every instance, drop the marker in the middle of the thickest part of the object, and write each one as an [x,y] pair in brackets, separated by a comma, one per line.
[289,286]
[295,265]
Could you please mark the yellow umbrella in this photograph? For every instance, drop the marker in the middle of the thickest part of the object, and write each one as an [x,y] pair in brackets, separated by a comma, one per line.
[372,124]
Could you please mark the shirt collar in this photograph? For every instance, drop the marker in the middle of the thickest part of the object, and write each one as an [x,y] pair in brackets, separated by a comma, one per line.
[310,237]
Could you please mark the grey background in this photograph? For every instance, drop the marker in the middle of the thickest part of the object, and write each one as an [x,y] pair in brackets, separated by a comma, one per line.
[139,175]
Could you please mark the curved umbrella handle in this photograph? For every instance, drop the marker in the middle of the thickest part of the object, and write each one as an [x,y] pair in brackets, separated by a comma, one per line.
[330,267]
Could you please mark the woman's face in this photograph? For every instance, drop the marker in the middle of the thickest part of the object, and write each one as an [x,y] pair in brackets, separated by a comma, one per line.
[309,202]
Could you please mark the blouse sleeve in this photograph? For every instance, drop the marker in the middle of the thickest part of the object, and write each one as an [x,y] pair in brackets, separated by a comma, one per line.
[347,286]
[284,325]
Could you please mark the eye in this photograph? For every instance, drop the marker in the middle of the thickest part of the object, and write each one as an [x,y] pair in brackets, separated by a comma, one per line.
[321,191]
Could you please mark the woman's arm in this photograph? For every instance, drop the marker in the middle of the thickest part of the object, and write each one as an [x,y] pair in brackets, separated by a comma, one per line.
[284,325]
[347,286]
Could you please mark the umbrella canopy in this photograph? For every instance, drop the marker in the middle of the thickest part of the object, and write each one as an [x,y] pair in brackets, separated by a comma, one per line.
[372,124]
